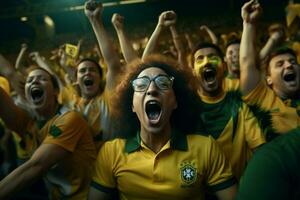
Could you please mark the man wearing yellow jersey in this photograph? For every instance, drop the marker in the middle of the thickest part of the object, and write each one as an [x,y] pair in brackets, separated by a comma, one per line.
[223,113]
[275,100]
[61,146]
[158,156]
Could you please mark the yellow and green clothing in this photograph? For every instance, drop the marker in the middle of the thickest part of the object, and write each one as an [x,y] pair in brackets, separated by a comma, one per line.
[276,115]
[230,122]
[273,172]
[70,178]
[231,83]
[96,112]
[185,167]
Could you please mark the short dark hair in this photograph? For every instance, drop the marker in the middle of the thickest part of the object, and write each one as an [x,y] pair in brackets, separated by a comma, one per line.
[203,45]
[185,87]
[92,61]
[279,51]
[231,42]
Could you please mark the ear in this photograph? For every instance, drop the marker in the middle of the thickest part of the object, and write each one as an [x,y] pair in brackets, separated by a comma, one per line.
[225,59]
[269,80]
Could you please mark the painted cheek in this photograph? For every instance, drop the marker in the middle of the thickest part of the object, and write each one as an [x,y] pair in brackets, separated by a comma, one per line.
[199,66]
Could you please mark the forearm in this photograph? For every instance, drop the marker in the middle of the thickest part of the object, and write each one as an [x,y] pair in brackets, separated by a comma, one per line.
[249,74]
[212,36]
[20,58]
[10,113]
[6,68]
[182,58]
[266,50]
[104,41]
[126,46]
[20,178]
[153,41]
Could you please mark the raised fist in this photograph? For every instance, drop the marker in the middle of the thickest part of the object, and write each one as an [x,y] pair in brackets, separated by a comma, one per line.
[117,20]
[251,11]
[167,18]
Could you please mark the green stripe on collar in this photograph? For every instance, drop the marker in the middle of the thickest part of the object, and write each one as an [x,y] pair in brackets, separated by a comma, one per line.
[178,142]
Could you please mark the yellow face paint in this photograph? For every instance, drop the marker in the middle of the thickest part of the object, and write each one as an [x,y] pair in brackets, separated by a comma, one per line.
[200,63]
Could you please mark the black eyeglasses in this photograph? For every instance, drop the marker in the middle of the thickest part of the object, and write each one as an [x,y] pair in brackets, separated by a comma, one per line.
[163,82]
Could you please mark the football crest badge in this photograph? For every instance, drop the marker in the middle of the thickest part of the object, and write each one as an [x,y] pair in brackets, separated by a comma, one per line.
[188,173]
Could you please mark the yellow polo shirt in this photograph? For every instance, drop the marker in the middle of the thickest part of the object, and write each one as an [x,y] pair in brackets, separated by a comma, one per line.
[185,167]
[276,115]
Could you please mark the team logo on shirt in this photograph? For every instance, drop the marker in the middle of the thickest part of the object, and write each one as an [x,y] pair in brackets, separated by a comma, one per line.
[188,173]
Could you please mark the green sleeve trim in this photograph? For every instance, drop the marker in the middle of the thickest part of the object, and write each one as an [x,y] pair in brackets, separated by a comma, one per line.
[104,189]
[222,185]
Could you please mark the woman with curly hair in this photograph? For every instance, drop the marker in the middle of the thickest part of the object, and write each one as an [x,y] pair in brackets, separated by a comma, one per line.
[158,155]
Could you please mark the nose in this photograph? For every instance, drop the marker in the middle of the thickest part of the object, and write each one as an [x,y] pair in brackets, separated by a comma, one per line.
[152,89]
[35,79]
[288,64]
[205,61]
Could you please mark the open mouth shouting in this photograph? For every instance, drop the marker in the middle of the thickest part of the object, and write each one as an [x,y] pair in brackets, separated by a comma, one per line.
[88,82]
[37,95]
[209,75]
[290,77]
[153,111]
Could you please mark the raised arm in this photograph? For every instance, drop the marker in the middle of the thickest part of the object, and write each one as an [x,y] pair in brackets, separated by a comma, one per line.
[210,33]
[126,46]
[166,19]
[93,11]
[21,55]
[189,41]
[181,51]
[272,42]
[249,73]
[10,113]
[15,78]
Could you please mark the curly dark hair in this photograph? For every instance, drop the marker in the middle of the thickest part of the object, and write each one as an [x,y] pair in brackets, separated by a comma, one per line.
[185,87]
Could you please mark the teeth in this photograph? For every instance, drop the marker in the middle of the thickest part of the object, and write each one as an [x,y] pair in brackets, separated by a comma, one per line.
[209,74]
[153,110]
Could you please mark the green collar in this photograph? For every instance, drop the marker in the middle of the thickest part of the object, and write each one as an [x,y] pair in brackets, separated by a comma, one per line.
[178,142]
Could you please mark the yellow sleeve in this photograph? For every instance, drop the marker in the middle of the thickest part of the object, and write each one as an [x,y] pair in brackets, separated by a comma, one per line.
[103,174]
[4,84]
[219,174]
[263,96]
[67,130]
[253,134]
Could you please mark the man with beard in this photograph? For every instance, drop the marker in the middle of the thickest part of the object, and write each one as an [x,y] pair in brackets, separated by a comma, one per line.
[223,113]
[61,145]
[275,101]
